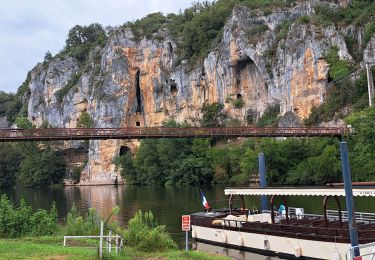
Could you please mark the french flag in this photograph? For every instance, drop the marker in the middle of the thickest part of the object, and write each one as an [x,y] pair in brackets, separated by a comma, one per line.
[204,200]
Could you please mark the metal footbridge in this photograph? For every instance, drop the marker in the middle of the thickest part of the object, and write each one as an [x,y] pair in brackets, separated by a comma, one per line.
[55,134]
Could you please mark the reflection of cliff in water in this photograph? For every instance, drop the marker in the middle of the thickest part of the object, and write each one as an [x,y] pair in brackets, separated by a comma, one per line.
[102,198]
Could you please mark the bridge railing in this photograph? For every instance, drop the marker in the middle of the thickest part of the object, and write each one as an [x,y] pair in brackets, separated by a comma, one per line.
[162,132]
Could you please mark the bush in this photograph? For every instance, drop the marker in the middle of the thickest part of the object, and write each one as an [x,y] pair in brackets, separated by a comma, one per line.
[212,114]
[270,116]
[76,225]
[238,103]
[21,221]
[305,19]
[61,93]
[254,33]
[144,234]
[41,168]
[85,120]
[369,33]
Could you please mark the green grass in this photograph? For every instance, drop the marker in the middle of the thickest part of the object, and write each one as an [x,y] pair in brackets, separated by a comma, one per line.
[52,248]
[42,248]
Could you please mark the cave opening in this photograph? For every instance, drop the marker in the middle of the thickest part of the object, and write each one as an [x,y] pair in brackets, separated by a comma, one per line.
[173,88]
[137,123]
[241,66]
[170,47]
[239,96]
[138,91]
[124,150]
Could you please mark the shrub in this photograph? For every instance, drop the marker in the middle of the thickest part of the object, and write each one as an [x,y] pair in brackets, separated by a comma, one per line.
[21,221]
[369,32]
[238,103]
[77,225]
[23,122]
[253,34]
[212,114]
[144,234]
[304,19]
[270,116]
[85,120]
[61,93]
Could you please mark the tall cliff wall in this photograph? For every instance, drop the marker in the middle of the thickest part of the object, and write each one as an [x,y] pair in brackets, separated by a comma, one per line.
[141,83]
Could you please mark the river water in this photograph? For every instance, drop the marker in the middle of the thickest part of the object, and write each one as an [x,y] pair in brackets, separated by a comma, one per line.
[167,203]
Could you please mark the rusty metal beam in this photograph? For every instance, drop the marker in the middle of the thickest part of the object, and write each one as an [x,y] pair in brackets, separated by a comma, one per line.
[54,134]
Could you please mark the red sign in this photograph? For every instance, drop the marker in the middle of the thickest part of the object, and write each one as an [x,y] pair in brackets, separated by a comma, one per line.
[186,223]
[358,258]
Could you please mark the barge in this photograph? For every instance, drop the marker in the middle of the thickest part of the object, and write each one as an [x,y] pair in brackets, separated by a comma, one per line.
[290,233]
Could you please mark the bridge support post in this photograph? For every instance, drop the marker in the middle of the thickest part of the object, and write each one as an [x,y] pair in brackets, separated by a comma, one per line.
[262,179]
[353,230]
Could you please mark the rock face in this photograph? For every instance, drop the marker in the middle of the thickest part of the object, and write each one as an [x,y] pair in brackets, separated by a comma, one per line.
[140,83]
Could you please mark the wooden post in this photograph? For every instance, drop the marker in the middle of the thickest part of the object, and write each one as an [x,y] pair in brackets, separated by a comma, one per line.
[116,244]
[110,241]
[101,240]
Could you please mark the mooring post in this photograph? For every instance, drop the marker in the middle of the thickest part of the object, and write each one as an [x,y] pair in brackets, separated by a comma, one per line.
[262,179]
[353,231]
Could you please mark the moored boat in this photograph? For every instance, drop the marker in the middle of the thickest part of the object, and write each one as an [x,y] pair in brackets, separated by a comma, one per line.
[289,233]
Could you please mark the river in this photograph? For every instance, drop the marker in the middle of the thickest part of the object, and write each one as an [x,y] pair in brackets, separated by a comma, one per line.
[167,203]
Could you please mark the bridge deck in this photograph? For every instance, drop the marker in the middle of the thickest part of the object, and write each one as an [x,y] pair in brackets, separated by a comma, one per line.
[51,134]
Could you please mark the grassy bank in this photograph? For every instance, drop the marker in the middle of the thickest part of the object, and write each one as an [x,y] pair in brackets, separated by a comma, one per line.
[51,248]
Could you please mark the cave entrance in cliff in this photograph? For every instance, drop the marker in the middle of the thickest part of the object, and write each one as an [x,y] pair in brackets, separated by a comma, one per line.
[241,67]
[124,150]
[138,91]
[137,123]
[173,89]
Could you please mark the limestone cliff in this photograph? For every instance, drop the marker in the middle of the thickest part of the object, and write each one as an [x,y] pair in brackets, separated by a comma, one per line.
[130,83]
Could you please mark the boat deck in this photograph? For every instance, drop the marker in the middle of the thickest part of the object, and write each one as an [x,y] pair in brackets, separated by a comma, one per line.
[303,227]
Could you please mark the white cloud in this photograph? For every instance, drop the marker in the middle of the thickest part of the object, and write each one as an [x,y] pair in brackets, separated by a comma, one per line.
[29,28]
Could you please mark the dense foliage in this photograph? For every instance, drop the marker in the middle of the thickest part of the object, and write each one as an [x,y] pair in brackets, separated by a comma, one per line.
[10,106]
[85,120]
[27,164]
[199,28]
[22,220]
[82,39]
[202,161]
[40,168]
[144,234]
[362,144]
[341,91]
[77,225]
[270,116]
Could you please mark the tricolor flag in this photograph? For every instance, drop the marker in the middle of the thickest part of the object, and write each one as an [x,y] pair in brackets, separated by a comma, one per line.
[204,200]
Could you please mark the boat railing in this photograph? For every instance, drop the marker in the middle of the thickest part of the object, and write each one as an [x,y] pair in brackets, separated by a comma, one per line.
[368,249]
[360,216]
[311,229]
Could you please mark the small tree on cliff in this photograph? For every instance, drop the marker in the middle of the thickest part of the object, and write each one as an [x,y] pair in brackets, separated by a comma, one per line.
[212,114]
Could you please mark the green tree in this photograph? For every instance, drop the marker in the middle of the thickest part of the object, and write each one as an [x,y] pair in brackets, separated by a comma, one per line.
[41,169]
[362,144]
[85,120]
[212,114]
[10,159]
[23,122]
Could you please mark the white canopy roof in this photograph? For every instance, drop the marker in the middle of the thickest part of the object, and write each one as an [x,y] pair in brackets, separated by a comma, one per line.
[361,192]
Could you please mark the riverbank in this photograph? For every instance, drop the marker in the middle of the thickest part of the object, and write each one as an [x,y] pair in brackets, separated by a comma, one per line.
[50,247]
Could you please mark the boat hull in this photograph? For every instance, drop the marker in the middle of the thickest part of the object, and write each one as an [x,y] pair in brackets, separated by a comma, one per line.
[271,245]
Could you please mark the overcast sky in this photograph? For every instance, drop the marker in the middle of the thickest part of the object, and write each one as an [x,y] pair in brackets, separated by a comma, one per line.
[29,28]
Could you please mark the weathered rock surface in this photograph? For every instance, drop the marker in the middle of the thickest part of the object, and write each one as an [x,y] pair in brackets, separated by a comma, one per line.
[140,84]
